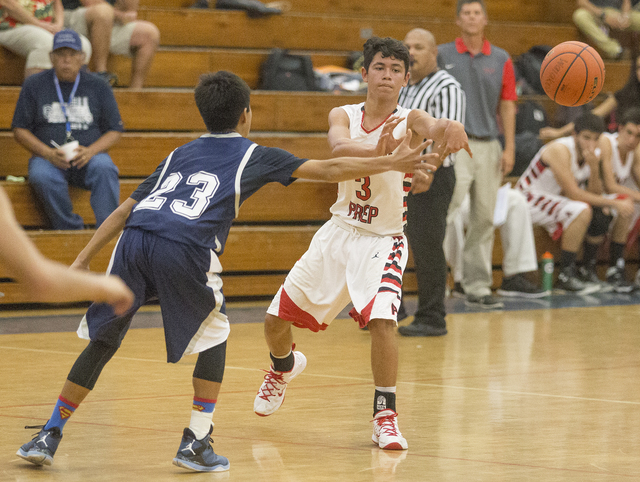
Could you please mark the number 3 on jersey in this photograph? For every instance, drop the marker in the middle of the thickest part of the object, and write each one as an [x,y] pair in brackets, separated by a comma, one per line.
[207,185]
[364,192]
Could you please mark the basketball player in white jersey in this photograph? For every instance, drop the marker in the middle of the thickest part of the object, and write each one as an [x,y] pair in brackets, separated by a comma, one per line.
[621,171]
[555,185]
[360,254]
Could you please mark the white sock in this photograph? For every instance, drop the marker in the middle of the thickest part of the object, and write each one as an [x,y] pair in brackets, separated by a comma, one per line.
[200,424]
[386,389]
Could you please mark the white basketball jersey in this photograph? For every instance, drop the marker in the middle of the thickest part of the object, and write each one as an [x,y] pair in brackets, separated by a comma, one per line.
[376,204]
[621,170]
[539,177]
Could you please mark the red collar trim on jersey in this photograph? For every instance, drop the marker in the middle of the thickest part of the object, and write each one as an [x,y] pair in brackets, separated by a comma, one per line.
[462,48]
[376,127]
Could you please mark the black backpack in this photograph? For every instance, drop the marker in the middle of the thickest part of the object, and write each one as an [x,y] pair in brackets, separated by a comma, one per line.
[284,71]
[527,68]
[531,117]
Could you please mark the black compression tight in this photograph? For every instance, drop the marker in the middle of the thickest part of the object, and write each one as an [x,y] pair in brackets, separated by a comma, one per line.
[210,364]
[89,365]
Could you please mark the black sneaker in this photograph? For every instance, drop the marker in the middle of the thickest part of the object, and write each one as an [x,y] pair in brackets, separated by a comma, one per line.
[615,277]
[402,312]
[587,274]
[569,281]
[518,285]
[254,9]
[108,77]
[198,455]
[421,329]
[43,446]
[458,291]
[486,302]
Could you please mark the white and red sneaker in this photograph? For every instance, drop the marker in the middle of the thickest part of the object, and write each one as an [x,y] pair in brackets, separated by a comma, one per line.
[386,433]
[271,393]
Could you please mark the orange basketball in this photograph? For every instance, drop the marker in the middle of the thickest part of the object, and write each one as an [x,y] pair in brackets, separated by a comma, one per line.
[572,73]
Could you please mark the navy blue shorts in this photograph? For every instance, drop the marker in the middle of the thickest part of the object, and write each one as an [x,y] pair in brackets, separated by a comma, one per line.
[184,278]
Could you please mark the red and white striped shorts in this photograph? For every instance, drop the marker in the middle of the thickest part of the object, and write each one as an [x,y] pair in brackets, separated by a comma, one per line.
[343,265]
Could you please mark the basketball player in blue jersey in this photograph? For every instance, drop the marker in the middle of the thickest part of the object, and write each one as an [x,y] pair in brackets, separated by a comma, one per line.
[175,227]
[360,254]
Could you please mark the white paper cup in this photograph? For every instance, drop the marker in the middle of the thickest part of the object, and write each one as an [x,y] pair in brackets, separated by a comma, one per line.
[70,149]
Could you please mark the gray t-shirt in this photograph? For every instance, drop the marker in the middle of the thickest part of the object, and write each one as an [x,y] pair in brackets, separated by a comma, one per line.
[486,78]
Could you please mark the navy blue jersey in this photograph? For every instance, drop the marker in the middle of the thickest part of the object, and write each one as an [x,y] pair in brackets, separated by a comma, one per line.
[195,194]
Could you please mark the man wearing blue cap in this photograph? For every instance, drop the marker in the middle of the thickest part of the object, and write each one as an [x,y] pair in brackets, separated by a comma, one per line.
[63,105]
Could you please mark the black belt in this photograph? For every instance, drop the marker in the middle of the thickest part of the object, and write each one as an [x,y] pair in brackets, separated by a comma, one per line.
[480,138]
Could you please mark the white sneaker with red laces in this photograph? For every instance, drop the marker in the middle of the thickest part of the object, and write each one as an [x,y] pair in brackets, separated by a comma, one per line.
[386,433]
[271,393]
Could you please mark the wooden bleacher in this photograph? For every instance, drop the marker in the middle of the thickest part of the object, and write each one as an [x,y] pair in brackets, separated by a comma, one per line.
[546,11]
[275,225]
[245,63]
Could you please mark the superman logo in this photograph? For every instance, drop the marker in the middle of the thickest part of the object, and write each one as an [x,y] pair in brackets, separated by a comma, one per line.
[65,413]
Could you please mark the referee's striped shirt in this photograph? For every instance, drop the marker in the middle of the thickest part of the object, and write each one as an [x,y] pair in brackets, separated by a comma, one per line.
[440,94]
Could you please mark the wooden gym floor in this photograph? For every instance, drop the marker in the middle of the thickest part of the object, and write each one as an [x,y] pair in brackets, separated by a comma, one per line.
[545,393]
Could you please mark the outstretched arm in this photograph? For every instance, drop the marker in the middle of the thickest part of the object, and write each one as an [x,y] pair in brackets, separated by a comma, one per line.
[403,159]
[109,229]
[48,281]
[339,137]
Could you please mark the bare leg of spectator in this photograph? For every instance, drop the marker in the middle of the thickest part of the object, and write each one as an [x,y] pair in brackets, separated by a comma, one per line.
[100,22]
[144,43]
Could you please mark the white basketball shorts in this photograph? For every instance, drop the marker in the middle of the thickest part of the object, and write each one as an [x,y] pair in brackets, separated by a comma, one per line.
[342,265]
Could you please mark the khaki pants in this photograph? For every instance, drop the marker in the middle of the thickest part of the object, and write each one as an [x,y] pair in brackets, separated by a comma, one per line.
[480,176]
[598,32]
[35,44]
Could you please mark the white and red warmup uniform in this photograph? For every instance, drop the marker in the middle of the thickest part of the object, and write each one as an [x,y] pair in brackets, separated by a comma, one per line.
[622,172]
[549,208]
[360,254]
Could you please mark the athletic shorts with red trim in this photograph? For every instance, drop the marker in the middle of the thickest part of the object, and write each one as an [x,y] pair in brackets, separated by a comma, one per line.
[552,212]
[342,265]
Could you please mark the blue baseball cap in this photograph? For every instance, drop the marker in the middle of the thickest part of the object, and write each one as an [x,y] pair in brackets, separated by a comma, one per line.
[67,38]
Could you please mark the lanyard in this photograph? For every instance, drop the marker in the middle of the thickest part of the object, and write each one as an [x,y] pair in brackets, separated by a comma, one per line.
[65,105]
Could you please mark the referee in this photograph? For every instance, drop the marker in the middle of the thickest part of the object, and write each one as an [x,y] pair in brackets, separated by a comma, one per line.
[440,94]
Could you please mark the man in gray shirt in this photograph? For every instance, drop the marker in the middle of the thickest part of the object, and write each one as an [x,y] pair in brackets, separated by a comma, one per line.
[486,75]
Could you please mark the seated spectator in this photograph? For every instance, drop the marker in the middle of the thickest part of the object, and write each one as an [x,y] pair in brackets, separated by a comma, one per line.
[616,104]
[621,167]
[56,106]
[27,28]
[112,27]
[518,246]
[597,18]
[563,189]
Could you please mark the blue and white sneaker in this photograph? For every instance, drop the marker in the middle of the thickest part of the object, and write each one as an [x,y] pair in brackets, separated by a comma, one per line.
[198,455]
[43,446]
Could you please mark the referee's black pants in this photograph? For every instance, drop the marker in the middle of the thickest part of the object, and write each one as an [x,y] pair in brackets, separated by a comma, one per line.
[426,225]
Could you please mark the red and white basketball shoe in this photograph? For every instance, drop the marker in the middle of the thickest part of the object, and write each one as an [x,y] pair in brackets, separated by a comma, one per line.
[271,393]
[386,433]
